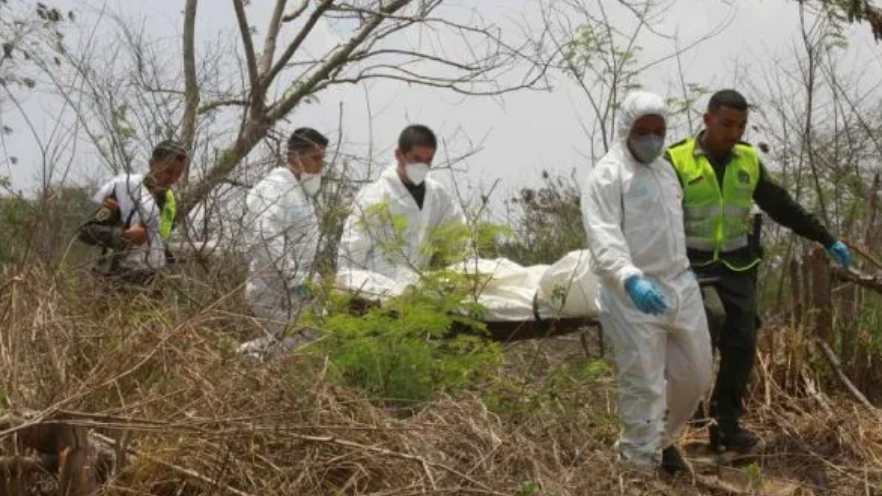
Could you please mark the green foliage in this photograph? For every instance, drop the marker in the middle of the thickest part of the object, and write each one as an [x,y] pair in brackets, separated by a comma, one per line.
[548,222]
[563,384]
[688,104]
[754,476]
[843,12]
[333,209]
[442,246]
[595,44]
[487,238]
[44,226]
[426,341]
[29,34]
[528,488]
[447,243]
[562,393]
[404,352]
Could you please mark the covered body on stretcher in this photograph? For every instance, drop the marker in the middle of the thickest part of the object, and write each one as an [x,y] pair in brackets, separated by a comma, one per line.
[518,302]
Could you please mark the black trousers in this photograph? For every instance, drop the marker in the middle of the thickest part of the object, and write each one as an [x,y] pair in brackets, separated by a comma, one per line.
[735,341]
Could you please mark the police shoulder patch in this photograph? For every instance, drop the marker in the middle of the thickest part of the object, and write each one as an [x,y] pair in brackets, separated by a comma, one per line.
[103,214]
[679,143]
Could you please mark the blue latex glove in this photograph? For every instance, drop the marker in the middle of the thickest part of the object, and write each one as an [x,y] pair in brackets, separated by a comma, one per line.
[645,295]
[839,252]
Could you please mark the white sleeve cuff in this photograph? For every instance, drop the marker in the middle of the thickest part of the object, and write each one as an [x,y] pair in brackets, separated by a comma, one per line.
[626,273]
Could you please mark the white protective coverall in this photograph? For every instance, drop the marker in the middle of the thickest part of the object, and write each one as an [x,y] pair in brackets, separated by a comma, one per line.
[634,223]
[370,240]
[283,239]
[136,205]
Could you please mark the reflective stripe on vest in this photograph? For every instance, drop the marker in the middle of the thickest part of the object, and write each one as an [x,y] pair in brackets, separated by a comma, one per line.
[167,215]
[716,221]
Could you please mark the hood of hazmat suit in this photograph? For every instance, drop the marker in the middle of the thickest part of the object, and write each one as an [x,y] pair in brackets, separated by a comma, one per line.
[633,218]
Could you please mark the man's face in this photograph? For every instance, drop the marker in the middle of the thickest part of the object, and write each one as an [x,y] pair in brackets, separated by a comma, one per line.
[416,155]
[168,171]
[725,127]
[310,161]
[648,124]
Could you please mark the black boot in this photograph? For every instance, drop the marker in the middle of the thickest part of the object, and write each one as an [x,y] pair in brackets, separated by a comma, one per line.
[735,439]
[673,462]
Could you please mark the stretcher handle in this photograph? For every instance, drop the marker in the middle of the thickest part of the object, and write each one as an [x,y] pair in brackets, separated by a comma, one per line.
[704,281]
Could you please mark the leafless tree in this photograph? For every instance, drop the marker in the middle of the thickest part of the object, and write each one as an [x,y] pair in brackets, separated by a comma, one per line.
[225,99]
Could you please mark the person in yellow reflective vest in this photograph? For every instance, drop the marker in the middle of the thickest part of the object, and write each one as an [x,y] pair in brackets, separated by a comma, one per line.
[135,217]
[722,179]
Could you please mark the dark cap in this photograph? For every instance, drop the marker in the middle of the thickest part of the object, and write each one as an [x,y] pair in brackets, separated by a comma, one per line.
[169,149]
[306,138]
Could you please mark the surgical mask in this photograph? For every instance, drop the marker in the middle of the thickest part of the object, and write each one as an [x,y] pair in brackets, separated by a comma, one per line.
[416,173]
[647,148]
[310,183]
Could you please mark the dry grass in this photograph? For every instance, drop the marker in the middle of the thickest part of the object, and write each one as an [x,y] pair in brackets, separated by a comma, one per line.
[157,377]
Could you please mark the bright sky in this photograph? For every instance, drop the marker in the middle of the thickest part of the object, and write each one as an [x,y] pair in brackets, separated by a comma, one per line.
[519,135]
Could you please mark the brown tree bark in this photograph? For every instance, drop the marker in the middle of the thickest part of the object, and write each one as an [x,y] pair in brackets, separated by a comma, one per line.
[822,324]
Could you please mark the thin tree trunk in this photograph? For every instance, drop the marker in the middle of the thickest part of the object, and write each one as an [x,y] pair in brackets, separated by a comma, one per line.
[822,327]
[796,300]
[191,85]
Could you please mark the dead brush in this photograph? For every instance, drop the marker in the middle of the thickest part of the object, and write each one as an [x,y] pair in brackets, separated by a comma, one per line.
[167,407]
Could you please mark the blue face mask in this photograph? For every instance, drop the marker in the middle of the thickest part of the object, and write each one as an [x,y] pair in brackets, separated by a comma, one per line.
[647,148]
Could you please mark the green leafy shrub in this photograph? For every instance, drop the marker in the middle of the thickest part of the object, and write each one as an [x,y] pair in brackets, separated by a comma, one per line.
[405,351]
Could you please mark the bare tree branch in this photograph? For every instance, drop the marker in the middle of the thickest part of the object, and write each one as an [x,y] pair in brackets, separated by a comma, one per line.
[297,11]
[255,128]
[248,44]
[208,107]
[191,86]
[272,34]
[299,39]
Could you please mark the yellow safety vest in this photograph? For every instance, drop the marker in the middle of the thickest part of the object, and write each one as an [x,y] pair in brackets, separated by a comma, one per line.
[717,221]
[167,215]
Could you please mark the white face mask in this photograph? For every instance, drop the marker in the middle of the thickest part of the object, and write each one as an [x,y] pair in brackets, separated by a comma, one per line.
[416,173]
[647,148]
[310,183]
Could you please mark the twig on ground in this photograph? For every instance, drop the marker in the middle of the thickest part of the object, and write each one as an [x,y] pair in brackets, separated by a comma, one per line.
[834,363]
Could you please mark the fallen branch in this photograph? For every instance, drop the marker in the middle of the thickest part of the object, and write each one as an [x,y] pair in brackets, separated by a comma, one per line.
[834,363]
[864,252]
[69,443]
[18,473]
[716,484]
[853,276]
[25,464]
[10,282]
[398,454]
[62,434]
[212,483]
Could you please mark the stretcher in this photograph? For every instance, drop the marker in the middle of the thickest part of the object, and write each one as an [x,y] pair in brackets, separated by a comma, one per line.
[517,302]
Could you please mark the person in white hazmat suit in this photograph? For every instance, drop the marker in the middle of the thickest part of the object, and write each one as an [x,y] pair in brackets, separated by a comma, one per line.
[650,303]
[389,230]
[283,237]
